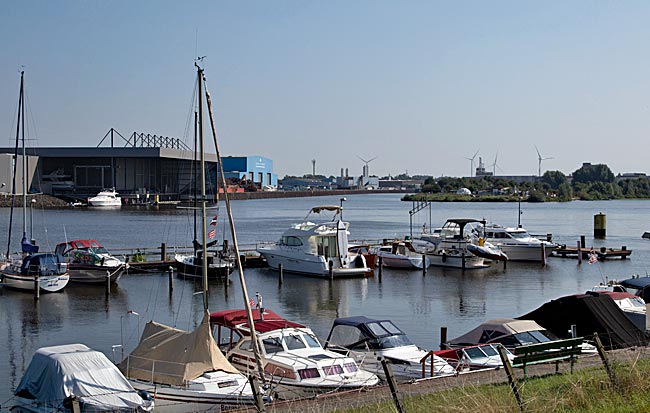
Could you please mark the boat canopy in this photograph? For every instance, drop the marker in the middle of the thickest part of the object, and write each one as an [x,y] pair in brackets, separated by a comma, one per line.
[171,356]
[493,329]
[43,264]
[318,209]
[638,283]
[591,313]
[58,372]
[361,331]
[238,320]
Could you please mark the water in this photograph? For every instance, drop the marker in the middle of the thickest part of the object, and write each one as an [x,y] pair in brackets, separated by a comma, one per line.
[419,305]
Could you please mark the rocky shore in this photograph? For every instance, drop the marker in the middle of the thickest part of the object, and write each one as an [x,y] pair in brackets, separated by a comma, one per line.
[42,201]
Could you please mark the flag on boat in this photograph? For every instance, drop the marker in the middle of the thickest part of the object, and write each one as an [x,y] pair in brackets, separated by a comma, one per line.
[212,233]
[251,302]
[214,220]
[592,257]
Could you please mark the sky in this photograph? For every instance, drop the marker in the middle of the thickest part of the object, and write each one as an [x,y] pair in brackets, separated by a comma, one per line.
[417,85]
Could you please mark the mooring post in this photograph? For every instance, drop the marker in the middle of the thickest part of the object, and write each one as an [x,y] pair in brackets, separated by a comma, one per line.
[280,275]
[582,242]
[37,288]
[505,264]
[443,338]
[543,248]
[108,283]
[462,257]
[171,279]
[163,251]
[579,253]
[331,269]
[424,265]
[381,264]
[388,371]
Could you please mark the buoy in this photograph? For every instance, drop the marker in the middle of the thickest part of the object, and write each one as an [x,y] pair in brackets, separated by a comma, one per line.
[600,224]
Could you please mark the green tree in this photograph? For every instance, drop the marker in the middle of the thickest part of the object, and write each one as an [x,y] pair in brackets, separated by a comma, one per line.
[554,179]
[593,173]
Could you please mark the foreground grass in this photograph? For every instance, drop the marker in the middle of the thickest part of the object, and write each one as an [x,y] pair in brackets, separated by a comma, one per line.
[587,390]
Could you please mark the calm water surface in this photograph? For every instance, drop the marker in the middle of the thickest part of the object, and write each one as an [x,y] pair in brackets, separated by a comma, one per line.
[419,305]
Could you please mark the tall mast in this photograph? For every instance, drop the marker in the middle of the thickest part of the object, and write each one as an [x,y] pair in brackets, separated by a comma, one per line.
[240,268]
[24,181]
[13,185]
[204,258]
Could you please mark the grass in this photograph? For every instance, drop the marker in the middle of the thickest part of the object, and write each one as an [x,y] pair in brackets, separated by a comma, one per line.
[588,390]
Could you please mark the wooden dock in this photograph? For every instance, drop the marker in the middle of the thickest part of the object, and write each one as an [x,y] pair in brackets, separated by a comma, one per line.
[602,253]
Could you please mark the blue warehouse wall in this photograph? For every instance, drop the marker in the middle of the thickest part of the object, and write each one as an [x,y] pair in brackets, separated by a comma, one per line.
[255,168]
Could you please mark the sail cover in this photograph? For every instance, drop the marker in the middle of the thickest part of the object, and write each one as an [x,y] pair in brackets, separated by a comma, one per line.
[171,356]
[61,371]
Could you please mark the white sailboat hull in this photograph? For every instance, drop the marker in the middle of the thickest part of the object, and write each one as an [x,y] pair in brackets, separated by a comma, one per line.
[50,283]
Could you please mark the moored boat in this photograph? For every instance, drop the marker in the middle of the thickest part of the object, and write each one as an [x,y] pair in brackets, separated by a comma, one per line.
[294,362]
[89,262]
[105,198]
[402,254]
[517,243]
[316,249]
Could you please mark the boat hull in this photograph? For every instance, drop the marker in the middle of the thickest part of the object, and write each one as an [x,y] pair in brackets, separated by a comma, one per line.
[311,265]
[94,274]
[403,261]
[49,283]
[219,268]
[467,261]
[531,253]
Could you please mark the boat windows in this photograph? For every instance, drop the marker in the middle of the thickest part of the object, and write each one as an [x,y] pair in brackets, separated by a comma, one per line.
[489,351]
[350,367]
[489,335]
[294,342]
[272,345]
[246,345]
[327,246]
[474,353]
[308,373]
[348,337]
[290,241]
[312,341]
[332,370]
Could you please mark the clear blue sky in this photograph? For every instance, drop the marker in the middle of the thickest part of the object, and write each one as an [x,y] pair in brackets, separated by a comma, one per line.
[418,84]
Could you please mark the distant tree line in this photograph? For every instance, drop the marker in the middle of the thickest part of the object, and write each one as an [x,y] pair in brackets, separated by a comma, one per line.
[589,182]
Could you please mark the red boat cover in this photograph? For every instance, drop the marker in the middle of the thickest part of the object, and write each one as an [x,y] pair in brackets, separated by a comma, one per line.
[237,319]
[82,243]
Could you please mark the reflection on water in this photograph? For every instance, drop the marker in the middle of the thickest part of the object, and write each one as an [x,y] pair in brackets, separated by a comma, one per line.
[418,304]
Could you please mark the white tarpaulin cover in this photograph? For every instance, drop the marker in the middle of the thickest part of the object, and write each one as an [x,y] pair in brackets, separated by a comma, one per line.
[74,369]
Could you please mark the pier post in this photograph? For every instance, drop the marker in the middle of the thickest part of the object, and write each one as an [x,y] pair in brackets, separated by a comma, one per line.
[37,288]
[424,265]
[505,264]
[163,251]
[171,279]
[462,257]
[582,241]
[543,248]
[579,253]
[108,283]
[331,269]
[443,338]
[623,248]
[381,264]
[280,275]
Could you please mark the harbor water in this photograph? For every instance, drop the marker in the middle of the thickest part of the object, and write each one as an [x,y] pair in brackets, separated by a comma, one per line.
[419,304]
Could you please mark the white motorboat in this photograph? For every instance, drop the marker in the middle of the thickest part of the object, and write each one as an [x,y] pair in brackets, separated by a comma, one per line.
[516,243]
[185,371]
[315,249]
[402,254]
[471,358]
[293,360]
[90,262]
[451,248]
[59,375]
[369,341]
[105,198]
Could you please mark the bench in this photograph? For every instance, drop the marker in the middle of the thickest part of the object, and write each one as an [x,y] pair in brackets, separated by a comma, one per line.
[557,350]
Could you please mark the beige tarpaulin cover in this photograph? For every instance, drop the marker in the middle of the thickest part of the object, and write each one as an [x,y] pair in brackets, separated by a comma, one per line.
[170,356]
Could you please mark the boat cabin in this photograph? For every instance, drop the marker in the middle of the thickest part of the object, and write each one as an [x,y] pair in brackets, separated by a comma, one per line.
[365,333]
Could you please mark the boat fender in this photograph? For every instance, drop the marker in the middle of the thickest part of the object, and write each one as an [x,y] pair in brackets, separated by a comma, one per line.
[359,261]
[444,257]
[145,395]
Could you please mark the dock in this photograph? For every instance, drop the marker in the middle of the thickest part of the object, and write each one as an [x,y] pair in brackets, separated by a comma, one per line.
[603,253]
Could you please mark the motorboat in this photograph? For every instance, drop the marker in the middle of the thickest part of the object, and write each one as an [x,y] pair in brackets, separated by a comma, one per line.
[49,271]
[471,358]
[105,198]
[185,371]
[369,254]
[59,376]
[455,249]
[516,243]
[368,341]
[56,181]
[293,360]
[89,262]
[632,305]
[316,249]
[220,264]
[402,254]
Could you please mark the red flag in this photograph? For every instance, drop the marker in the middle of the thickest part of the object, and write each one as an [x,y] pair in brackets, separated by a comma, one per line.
[251,302]
[592,257]
[212,233]
[214,220]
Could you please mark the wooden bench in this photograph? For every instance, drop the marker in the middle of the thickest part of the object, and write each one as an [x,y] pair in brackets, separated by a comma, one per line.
[557,350]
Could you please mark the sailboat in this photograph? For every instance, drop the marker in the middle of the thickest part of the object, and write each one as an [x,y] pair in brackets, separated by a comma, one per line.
[185,370]
[219,263]
[46,271]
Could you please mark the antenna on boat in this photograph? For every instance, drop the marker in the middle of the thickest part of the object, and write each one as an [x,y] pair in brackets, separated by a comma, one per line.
[240,268]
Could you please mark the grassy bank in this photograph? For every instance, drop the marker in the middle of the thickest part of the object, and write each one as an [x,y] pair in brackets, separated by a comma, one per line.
[588,390]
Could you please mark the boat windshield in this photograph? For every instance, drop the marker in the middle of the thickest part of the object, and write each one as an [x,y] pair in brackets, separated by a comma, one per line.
[293,342]
[387,335]
[312,341]
[519,234]
[272,345]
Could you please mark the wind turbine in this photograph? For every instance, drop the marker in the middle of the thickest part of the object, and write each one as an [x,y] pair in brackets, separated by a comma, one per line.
[365,169]
[471,163]
[495,165]
[540,159]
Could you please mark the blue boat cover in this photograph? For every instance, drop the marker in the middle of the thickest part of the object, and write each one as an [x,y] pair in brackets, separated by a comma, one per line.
[28,247]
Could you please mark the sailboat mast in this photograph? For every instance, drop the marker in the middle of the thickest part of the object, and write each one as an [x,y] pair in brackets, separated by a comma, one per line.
[204,260]
[240,268]
[13,185]
[24,173]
